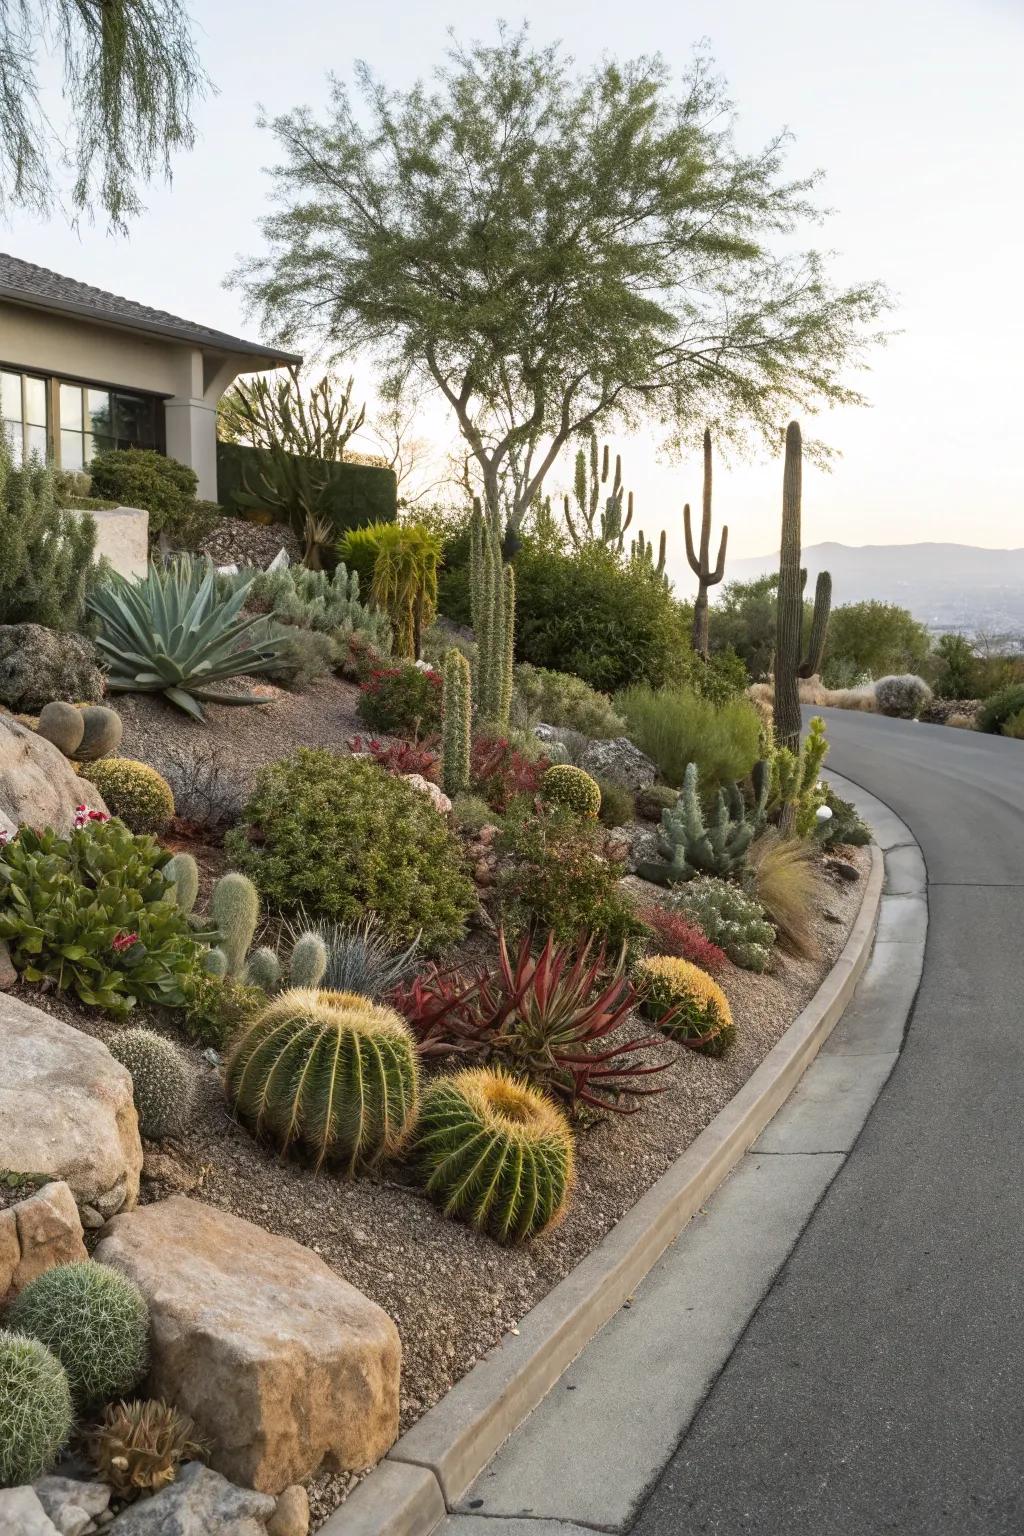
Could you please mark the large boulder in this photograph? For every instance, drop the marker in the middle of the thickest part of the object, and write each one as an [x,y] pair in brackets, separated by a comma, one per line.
[37,1234]
[39,664]
[620,761]
[284,1366]
[66,1109]
[38,786]
[198,1501]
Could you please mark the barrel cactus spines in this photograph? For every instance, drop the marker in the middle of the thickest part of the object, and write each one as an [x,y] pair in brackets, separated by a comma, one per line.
[572,787]
[95,1320]
[101,734]
[235,909]
[163,1080]
[707,575]
[36,1413]
[183,873]
[308,961]
[690,845]
[496,1153]
[63,725]
[457,713]
[687,1003]
[492,594]
[811,664]
[262,969]
[336,1074]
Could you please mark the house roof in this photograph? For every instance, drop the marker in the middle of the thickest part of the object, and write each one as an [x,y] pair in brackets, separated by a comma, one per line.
[22,282]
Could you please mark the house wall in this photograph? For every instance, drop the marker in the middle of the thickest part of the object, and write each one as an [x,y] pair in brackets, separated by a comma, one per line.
[190,381]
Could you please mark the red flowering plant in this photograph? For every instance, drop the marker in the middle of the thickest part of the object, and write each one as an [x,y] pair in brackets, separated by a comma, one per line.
[402,701]
[401,757]
[675,934]
[499,772]
[548,1018]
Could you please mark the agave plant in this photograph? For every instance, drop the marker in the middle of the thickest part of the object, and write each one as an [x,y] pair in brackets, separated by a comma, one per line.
[171,632]
[547,1018]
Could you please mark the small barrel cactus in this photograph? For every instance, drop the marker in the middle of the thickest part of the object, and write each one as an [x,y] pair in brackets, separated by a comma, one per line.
[183,873]
[495,1152]
[572,787]
[903,695]
[95,1320]
[331,1070]
[102,733]
[235,909]
[686,1003]
[133,791]
[63,725]
[36,1414]
[163,1081]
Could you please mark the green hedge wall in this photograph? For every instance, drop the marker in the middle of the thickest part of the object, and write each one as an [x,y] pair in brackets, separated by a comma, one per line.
[357,493]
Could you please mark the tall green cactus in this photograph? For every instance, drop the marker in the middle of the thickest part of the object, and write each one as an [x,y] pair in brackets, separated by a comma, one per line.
[690,846]
[700,564]
[457,715]
[642,549]
[590,481]
[493,599]
[790,615]
[235,909]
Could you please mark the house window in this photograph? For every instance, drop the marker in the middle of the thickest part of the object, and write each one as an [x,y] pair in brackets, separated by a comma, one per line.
[93,420]
[23,412]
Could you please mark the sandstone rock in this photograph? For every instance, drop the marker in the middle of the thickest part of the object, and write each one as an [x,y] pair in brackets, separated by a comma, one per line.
[620,761]
[38,787]
[66,1109]
[283,1365]
[39,664]
[291,1517]
[10,1250]
[8,975]
[198,1503]
[62,724]
[49,1232]
[72,1505]
[21,1514]
[437,797]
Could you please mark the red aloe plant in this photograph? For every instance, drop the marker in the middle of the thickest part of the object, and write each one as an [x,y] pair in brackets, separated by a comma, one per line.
[677,935]
[402,756]
[549,1018]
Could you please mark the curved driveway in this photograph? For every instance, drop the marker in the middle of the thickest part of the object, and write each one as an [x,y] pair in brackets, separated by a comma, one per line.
[880,1385]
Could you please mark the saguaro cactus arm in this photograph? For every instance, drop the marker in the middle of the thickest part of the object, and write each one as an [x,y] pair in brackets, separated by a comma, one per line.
[700,564]
[819,626]
[789,618]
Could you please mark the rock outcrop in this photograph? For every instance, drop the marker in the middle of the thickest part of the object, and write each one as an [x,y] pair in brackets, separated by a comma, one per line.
[38,786]
[36,1234]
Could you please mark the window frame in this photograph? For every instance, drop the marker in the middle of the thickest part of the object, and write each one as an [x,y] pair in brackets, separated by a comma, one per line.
[52,383]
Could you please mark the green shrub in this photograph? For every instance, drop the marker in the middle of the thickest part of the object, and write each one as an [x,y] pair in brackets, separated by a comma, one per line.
[141,477]
[163,1081]
[609,621]
[328,604]
[340,836]
[676,727]
[650,802]
[558,698]
[306,656]
[845,826]
[403,701]
[1000,708]
[95,1320]
[133,791]
[95,913]
[215,1008]
[557,879]
[618,807]
[35,1409]
[686,1002]
[734,922]
[1014,727]
[47,553]
[723,676]
[572,787]
[472,813]
[496,1153]
[331,1070]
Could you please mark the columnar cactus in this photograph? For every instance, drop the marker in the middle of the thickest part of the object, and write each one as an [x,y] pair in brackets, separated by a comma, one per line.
[790,615]
[493,597]
[163,1081]
[691,847]
[183,873]
[642,549]
[811,665]
[457,712]
[700,564]
[331,1070]
[308,961]
[495,1152]
[235,909]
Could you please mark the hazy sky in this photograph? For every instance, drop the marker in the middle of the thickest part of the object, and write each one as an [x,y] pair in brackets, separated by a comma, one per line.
[912,107]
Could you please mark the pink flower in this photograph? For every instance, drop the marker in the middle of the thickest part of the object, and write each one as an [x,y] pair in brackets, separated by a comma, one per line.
[84,815]
[123,941]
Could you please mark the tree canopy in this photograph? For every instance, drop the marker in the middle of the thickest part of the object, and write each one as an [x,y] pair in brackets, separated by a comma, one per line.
[131,77]
[556,251]
[876,638]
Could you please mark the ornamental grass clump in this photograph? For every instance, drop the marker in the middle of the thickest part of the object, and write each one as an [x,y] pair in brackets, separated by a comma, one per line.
[676,727]
[133,791]
[163,1080]
[95,1321]
[36,1413]
[331,1071]
[688,1004]
[496,1153]
[574,788]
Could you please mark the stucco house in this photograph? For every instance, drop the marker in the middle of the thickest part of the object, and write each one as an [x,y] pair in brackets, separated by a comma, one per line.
[83,370]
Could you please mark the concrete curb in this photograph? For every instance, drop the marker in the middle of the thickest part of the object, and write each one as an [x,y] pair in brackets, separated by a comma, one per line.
[431,1467]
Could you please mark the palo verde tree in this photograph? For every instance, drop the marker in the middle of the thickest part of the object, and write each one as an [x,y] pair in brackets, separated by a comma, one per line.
[557,252]
[131,77]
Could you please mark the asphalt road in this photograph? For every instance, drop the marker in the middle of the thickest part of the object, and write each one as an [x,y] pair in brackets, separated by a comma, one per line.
[880,1384]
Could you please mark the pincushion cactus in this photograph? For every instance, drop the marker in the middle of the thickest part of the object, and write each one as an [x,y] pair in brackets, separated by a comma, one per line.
[95,1321]
[903,696]
[163,1082]
[35,1409]
[495,1152]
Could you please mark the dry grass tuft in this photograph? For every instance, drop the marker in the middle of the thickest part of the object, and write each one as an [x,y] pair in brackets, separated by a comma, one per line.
[784,880]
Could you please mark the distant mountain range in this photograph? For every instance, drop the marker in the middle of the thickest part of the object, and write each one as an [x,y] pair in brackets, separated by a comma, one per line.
[946,586]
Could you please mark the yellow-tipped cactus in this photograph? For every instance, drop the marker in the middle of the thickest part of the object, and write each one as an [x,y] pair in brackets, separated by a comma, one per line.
[332,1071]
[496,1153]
[572,787]
[687,1003]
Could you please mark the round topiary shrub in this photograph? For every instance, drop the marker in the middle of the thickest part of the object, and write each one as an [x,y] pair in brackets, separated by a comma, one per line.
[1000,708]
[133,791]
[163,1081]
[35,1409]
[686,1003]
[903,696]
[572,787]
[95,1320]
[332,1070]
[496,1153]
[141,477]
[340,837]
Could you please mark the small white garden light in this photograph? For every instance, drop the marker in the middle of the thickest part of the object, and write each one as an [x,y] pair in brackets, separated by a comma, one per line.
[823,813]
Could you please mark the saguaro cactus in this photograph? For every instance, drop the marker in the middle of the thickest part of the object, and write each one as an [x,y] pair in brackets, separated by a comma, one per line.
[819,624]
[643,549]
[700,564]
[790,615]
[493,599]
